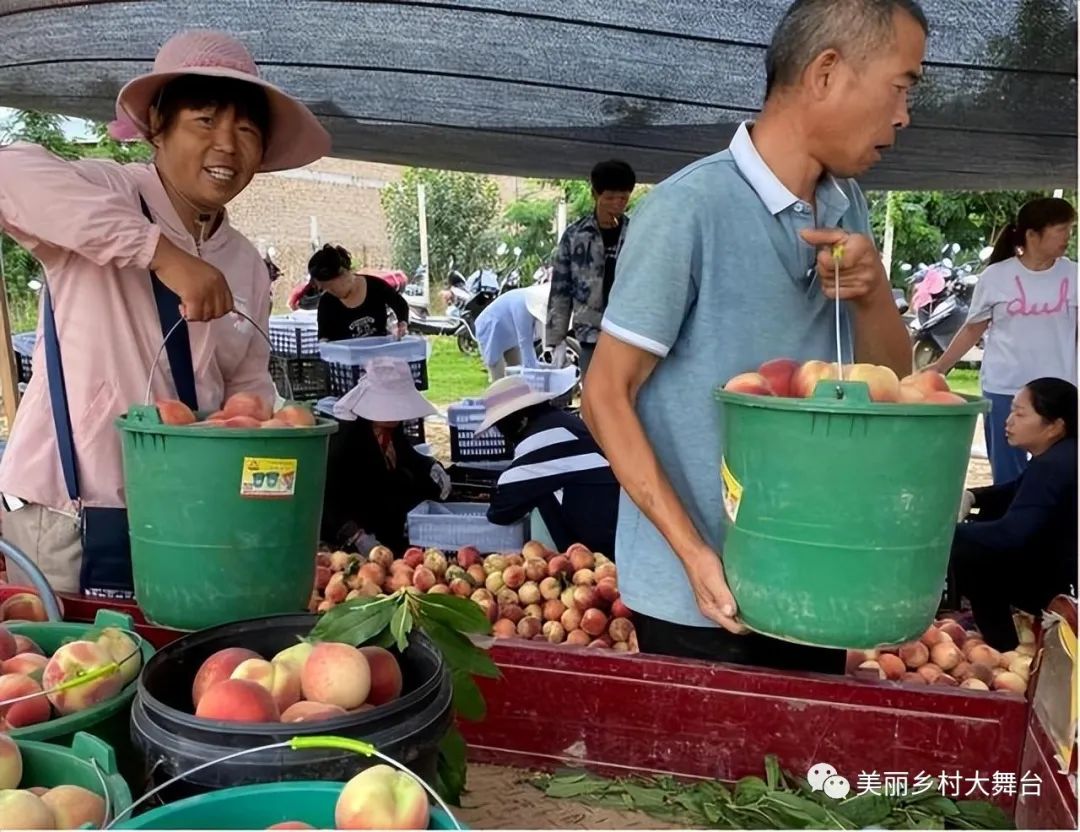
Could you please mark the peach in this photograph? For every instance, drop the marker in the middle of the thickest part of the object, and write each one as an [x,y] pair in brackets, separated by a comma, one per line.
[291,824]
[23,644]
[238,700]
[971,683]
[72,661]
[528,627]
[929,672]
[461,588]
[985,655]
[964,670]
[468,556]
[553,610]
[477,574]
[605,572]
[246,405]
[594,622]
[581,559]
[400,579]
[559,565]
[602,643]
[1010,682]
[946,655]
[514,576]
[11,766]
[910,394]
[931,637]
[515,560]
[217,668]
[530,593]
[381,797]
[620,610]
[869,669]
[913,678]
[533,549]
[914,654]
[8,647]
[536,570]
[123,650]
[336,589]
[620,629]
[281,679]
[954,631]
[373,572]
[585,597]
[621,647]
[413,557]
[304,711]
[567,596]
[489,607]
[324,606]
[322,577]
[435,561]
[805,379]
[494,581]
[495,563]
[571,619]
[386,678]
[481,595]
[25,663]
[454,573]
[778,374]
[926,382]
[23,606]
[882,381]
[439,589]
[534,611]
[74,806]
[504,628]
[554,632]
[584,577]
[296,415]
[424,579]
[891,665]
[550,589]
[512,612]
[339,561]
[173,412]
[22,809]
[244,422]
[294,656]
[945,680]
[754,384]
[578,638]
[336,674]
[945,398]
[274,423]
[607,592]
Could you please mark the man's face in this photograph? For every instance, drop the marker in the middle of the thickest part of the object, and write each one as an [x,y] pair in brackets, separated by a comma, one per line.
[864,103]
[611,204]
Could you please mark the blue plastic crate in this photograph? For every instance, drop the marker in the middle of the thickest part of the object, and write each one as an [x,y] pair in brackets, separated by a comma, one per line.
[465,446]
[546,379]
[294,336]
[450,526]
[347,358]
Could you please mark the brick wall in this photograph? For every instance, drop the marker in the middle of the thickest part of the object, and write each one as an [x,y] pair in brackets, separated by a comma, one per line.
[342,195]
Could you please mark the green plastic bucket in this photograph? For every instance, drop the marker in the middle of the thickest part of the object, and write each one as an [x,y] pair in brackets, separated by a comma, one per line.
[108,721]
[90,763]
[840,512]
[224,522]
[257,807]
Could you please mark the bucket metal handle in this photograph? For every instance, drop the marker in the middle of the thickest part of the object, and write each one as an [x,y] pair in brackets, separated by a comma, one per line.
[246,317]
[36,576]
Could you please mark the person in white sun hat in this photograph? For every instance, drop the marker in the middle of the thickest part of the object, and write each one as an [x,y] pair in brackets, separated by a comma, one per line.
[374,475]
[128,251]
[558,470]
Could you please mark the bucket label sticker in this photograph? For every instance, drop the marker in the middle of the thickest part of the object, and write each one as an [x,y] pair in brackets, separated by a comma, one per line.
[263,477]
[732,491]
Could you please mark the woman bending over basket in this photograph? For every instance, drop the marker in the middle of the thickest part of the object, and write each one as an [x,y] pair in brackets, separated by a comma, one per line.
[1021,549]
[127,250]
[353,304]
[374,475]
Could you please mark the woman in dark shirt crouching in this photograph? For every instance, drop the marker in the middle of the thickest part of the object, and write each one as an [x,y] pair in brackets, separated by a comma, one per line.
[1021,549]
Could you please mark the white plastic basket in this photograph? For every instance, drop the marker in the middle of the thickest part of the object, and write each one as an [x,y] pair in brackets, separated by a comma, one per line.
[547,379]
[294,336]
[347,358]
[464,418]
[450,526]
[23,344]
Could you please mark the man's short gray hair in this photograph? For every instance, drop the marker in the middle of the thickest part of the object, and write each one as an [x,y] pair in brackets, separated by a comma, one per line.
[855,28]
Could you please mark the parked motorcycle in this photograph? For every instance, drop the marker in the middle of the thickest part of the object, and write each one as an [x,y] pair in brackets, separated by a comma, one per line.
[941,298]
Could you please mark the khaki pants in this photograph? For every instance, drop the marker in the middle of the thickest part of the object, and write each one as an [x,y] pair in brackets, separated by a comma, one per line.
[50,539]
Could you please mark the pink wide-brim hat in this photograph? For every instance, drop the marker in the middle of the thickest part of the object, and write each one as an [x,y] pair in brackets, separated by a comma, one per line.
[296,136]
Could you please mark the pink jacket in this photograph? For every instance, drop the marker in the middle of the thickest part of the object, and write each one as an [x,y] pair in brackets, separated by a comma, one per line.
[82,220]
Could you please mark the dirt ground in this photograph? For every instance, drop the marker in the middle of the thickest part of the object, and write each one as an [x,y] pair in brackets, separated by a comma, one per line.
[501,798]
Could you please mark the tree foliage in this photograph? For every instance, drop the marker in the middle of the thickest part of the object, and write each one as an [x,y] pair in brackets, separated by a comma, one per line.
[461,208]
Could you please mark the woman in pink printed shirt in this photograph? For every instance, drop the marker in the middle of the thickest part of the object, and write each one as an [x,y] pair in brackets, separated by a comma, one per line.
[1025,302]
[99,229]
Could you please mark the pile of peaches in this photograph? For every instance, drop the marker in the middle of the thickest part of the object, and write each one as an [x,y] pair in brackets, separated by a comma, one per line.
[790,379]
[26,806]
[241,410]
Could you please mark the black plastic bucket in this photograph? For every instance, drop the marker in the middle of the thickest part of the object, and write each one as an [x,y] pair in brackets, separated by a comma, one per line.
[173,740]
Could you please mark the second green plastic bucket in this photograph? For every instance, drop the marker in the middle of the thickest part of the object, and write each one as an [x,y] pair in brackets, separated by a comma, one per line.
[224,522]
[90,763]
[840,512]
[256,807]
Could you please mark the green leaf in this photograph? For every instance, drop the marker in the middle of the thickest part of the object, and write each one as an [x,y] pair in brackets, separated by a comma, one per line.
[467,699]
[939,805]
[356,622]
[645,797]
[384,639]
[401,625]
[798,807]
[749,789]
[984,815]
[459,614]
[460,653]
[865,809]
[772,771]
[452,766]
[574,787]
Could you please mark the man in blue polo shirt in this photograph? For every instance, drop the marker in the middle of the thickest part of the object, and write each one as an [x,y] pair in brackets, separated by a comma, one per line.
[728,264]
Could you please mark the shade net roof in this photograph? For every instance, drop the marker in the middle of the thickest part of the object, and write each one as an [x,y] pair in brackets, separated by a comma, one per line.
[549,87]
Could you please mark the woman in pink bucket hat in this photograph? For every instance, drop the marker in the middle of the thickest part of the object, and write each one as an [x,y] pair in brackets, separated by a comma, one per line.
[131,252]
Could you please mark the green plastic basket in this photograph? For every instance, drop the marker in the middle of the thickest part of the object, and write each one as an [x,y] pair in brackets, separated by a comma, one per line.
[840,512]
[90,762]
[257,807]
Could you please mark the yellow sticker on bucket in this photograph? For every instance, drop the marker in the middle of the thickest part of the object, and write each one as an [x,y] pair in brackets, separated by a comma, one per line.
[268,478]
[732,490]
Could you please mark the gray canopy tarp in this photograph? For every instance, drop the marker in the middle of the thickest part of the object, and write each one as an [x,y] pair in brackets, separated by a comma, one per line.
[548,87]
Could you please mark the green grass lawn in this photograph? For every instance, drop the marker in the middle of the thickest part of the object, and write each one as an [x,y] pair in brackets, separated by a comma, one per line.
[451,375]
[965,382]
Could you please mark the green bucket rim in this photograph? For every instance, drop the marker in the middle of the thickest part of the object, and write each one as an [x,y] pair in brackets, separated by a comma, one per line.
[858,403]
[82,720]
[322,427]
[85,750]
[207,801]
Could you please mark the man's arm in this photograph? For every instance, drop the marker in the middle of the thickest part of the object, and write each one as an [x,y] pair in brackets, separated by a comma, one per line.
[608,406]
[880,334]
